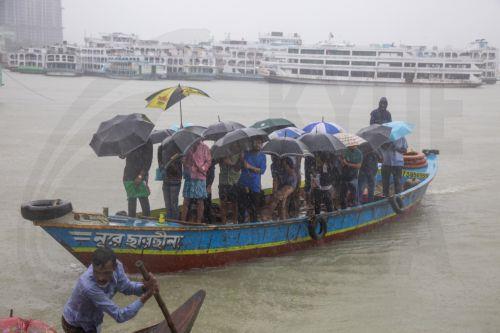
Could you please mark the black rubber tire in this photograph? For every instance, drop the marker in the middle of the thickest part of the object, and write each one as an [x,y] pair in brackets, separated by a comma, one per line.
[43,210]
[312,226]
[397,204]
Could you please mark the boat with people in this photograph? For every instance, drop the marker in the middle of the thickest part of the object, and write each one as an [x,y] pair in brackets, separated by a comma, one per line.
[172,245]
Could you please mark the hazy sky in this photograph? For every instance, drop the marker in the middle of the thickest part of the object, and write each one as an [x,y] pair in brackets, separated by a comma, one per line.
[430,22]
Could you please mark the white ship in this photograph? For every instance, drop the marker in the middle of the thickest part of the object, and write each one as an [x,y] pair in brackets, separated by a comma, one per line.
[28,60]
[347,64]
[240,59]
[63,60]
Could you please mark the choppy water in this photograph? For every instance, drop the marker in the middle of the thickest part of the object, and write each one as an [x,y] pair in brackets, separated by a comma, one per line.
[435,271]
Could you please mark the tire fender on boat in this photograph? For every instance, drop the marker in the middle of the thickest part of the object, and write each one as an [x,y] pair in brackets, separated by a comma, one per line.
[397,204]
[43,210]
[313,226]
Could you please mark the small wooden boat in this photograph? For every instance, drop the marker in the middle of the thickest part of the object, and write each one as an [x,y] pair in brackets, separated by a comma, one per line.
[175,246]
[183,318]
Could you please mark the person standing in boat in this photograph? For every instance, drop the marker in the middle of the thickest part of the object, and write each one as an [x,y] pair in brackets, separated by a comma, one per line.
[322,181]
[381,115]
[367,174]
[392,164]
[284,184]
[249,185]
[351,160]
[135,178]
[196,165]
[230,170]
[93,293]
[171,185]
[208,212]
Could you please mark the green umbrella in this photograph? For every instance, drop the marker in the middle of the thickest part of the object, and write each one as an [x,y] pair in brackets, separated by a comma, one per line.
[272,124]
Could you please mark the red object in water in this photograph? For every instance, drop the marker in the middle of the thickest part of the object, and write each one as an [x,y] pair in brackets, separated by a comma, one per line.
[19,325]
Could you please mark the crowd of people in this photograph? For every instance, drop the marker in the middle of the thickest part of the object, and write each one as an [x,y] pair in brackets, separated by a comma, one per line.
[331,181]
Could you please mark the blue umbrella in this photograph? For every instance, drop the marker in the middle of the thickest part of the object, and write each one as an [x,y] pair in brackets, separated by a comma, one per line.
[288,132]
[399,129]
[177,127]
[323,127]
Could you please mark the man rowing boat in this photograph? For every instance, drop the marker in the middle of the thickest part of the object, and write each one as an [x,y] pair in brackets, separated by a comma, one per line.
[91,297]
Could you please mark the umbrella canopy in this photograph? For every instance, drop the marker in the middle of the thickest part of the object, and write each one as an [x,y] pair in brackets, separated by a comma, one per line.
[282,147]
[323,127]
[121,134]
[287,132]
[376,135]
[157,136]
[272,124]
[179,143]
[399,129]
[350,140]
[237,141]
[320,142]
[218,130]
[165,98]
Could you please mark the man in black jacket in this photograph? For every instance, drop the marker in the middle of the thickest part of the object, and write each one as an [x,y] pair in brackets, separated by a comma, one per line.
[381,115]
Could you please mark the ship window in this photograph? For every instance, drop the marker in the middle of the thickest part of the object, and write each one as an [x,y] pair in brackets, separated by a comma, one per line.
[293,61]
[364,53]
[338,52]
[390,75]
[336,73]
[363,63]
[312,51]
[457,65]
[294,70]
[410,64]
[362,74]
[311,61]
[293,50]
[422,75]
[390,64]
[428,65]
[457,76]
[311,71]
[337,62]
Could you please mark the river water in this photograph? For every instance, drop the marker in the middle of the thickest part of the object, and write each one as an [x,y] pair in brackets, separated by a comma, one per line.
[434,271]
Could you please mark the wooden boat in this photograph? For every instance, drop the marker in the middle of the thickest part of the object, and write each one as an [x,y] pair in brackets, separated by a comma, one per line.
[183,318]
[175,246]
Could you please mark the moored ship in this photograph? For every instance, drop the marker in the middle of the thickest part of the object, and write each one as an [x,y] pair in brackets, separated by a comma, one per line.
[387,64]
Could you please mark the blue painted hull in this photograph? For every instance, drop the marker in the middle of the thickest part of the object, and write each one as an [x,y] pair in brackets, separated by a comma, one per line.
[171,247]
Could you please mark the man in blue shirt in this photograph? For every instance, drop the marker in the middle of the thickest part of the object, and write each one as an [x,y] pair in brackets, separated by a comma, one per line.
[392,164]
[254,165]
[91,297]
[381,115]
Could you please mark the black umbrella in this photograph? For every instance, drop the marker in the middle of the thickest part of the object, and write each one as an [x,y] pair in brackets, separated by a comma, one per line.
[121,134]
[157,136]
[375,135]
[237,141]
[179,143]
[273,124]
[282,147]
[321,142]
[218,130]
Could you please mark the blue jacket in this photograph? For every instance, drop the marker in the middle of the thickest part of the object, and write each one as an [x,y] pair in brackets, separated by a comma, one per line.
[249,178]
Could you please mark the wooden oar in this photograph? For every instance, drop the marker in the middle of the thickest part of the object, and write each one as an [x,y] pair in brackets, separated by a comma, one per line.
[140,265]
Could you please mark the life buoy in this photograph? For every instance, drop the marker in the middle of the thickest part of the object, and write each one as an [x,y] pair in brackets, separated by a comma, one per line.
[43,210]
[396,203]
[313,226]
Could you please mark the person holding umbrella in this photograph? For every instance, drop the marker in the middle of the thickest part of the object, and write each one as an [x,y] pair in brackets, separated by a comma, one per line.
[196,165]
[381,115]
[323,177]
[392,153]
[254,166]
[351,161]
[135,178]
[230,170]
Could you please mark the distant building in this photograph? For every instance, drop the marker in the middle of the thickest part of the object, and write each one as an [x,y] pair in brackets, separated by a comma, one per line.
[33,23]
